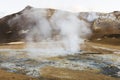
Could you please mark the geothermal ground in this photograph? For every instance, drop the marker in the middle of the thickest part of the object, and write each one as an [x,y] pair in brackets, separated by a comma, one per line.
[52,48]
[99,60]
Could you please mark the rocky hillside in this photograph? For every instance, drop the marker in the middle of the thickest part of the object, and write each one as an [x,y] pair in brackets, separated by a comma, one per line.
[19,25]
[109,25]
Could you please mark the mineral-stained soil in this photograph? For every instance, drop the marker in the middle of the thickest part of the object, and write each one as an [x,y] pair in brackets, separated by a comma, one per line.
[100,62]
[12,76]
[66,74]
[52,73]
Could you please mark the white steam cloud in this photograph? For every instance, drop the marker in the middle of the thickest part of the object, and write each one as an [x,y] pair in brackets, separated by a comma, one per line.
[57,30]
[71,29]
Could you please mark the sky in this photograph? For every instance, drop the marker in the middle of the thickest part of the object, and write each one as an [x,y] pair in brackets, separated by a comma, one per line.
[12,6]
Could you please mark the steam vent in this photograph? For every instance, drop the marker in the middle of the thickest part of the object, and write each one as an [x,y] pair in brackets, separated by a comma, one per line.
[50,44]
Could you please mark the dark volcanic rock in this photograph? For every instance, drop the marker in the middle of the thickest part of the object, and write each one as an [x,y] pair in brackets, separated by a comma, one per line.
[11,26]
[111,70]
[7,32]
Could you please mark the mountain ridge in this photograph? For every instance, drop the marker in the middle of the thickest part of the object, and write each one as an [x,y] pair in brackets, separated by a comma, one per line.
[11,30]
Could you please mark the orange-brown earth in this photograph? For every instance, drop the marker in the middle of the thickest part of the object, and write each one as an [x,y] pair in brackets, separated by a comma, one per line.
[52,73]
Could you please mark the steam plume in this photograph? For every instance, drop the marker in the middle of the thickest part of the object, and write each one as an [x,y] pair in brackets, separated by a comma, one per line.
[41,27]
